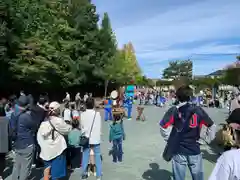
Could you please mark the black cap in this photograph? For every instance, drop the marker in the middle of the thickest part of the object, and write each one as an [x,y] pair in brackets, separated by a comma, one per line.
[234,116]
[23,101]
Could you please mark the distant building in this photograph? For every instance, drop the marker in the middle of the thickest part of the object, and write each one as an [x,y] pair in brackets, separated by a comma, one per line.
[198,77]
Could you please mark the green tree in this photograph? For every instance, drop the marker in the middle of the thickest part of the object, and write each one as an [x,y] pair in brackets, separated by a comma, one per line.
[177,69]
[232,74]
[163,83]
[108,49]
[56,43]
[4,34]
[206,82]
[85,42]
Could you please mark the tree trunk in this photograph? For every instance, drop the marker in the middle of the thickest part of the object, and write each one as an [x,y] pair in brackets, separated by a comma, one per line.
[106,86]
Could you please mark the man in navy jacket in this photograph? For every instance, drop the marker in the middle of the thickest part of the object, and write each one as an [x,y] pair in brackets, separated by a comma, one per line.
[186,120]
[24,140]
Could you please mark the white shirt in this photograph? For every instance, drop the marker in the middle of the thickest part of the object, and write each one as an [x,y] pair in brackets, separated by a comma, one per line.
[67,115]
[86,123]
[51,148]
[227,167]
[85,97]
[68,97]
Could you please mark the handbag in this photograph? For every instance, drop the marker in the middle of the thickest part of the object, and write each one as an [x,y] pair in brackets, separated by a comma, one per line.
[84,140]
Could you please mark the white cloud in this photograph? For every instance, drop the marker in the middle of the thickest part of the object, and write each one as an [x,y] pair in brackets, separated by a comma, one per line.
[163,55]
[201,21]
[207,20]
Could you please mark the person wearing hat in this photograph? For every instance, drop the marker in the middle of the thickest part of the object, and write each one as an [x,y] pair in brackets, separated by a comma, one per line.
[23,130]
[228,164]
[234,117]
[51,140]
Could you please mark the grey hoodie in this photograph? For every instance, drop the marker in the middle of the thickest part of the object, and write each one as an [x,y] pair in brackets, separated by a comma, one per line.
[4,142]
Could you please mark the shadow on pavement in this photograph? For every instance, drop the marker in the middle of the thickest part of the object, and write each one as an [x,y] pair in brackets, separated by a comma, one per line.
[155,173]
[211,157]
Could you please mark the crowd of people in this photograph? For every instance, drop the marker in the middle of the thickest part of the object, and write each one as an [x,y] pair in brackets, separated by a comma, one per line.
[43,134]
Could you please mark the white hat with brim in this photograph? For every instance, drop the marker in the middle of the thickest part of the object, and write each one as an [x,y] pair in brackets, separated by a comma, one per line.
[54,105]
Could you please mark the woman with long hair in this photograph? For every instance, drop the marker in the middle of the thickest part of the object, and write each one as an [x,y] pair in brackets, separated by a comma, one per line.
[51,139]
[228,164]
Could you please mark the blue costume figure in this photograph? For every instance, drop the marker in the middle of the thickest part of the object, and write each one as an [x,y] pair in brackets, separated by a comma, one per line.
[194,100]
[129,96]
[108,109]
[128,106]
[162,101]
[200,100]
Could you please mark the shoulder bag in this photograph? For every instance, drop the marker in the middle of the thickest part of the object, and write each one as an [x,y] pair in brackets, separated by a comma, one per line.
[54,129]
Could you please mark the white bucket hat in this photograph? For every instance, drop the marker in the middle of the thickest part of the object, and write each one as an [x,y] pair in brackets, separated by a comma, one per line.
[54,106]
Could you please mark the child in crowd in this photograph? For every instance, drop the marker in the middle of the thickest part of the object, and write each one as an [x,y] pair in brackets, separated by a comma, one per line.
[74,113]
[116,136]
[74,149]
[67,114]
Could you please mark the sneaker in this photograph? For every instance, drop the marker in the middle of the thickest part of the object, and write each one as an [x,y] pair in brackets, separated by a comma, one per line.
[85,176]
[99,178]
[129,119]
[95,174]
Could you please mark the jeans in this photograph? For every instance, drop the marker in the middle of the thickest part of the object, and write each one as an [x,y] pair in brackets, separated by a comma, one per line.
[129,110]
[194,163]
[108,114]
[117,151]
[23,163]
[2,163]
[97,156]
[74,157]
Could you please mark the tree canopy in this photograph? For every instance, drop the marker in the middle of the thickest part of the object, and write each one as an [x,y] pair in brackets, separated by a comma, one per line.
[232,74]
[177,69]
[59,43]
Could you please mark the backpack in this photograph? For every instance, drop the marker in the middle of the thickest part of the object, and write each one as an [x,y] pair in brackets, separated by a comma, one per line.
[75,114]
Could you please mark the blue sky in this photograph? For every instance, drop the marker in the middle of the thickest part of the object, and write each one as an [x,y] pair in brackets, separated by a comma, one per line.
[206,31]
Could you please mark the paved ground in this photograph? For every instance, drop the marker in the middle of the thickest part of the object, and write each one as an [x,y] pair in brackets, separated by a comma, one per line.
[142,151]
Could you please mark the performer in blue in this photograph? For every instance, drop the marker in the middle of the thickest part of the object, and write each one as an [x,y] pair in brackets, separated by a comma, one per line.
[128,105]
[108,109]
[129,95]
[162,101]
[194,100]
